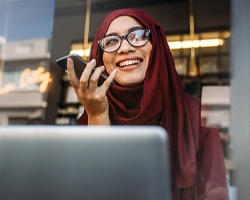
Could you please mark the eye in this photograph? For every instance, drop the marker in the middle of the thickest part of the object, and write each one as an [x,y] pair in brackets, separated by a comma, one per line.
[111,40]
[136,35]
[132,35]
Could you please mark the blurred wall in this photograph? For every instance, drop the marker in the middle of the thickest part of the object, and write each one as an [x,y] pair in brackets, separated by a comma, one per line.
[240,95]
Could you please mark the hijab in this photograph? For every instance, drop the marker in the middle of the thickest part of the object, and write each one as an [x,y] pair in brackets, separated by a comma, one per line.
[160,100]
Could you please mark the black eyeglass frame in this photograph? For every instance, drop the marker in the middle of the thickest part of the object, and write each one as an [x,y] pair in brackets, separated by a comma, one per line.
[147,33]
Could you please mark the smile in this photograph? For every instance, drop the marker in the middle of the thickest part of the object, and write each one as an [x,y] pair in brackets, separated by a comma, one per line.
[128,62]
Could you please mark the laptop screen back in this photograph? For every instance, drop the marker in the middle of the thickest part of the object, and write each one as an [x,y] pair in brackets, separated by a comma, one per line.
[78,162]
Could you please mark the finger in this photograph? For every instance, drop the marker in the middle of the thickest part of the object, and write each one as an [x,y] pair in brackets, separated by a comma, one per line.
[110,79]
[85,77]
[88,71]
[71,73]
[95,77]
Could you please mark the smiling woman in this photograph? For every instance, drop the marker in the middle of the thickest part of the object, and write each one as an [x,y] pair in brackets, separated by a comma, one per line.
[148,91]
[131,55]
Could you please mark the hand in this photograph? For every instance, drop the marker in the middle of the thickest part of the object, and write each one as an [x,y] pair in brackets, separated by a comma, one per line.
[92,97]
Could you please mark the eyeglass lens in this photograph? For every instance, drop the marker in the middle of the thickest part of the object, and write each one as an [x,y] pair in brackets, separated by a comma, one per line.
[135,38]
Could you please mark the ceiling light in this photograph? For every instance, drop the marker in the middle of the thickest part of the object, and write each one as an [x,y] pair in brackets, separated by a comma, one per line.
[195,43]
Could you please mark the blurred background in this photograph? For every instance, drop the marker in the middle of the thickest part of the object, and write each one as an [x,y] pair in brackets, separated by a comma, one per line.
[209,41]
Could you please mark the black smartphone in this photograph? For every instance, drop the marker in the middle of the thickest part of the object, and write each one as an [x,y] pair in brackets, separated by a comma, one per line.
[79,65]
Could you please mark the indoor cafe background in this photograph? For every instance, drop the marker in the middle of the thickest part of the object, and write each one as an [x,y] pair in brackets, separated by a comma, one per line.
[34,33]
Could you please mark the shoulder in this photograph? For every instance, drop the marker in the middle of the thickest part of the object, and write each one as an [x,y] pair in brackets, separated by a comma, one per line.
[209,135]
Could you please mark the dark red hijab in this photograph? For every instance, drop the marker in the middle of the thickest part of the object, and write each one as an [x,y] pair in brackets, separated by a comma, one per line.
[160,100]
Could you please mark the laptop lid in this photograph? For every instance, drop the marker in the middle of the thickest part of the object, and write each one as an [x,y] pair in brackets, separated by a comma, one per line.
[84,162]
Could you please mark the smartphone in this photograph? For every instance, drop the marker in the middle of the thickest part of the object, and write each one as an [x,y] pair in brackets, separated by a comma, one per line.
[79,66]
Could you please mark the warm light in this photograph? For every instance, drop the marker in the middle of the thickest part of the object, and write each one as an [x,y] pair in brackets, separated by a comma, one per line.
[7,88]
[29,77]
[81,52]
[195,43]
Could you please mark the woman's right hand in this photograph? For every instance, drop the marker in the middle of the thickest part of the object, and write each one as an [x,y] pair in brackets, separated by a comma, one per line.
[92,97]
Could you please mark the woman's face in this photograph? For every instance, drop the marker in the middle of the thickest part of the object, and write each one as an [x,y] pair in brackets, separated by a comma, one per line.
[134,60]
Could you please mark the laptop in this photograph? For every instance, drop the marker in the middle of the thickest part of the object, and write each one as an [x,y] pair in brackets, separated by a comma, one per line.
[84,162]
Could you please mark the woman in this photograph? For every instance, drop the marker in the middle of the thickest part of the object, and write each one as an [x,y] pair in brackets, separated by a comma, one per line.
[148,91]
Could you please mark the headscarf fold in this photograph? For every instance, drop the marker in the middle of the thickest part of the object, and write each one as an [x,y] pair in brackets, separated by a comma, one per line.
[160,100]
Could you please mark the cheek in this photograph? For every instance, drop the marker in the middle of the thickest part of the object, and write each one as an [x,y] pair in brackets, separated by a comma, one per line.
[108,62]
[148,53]
[149,49]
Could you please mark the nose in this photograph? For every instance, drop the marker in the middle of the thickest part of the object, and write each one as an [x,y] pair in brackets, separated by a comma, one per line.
[125,47]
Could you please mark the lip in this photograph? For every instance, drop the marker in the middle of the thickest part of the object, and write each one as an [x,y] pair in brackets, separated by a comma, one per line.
[129,63]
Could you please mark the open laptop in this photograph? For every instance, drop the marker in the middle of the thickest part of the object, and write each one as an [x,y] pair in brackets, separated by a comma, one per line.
[84,162]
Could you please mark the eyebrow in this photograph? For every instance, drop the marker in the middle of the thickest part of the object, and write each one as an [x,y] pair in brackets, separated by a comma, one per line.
[129,30]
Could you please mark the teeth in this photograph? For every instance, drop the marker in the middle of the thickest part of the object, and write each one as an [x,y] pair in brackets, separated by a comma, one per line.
[128,62]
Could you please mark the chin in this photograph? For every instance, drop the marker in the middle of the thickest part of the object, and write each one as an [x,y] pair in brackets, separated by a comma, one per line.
[129,83]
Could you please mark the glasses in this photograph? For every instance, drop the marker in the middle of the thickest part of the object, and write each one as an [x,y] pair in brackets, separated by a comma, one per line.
[135,38]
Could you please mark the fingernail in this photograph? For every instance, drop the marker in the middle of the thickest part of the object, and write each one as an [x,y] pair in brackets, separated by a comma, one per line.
[93,61]
[114,72]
